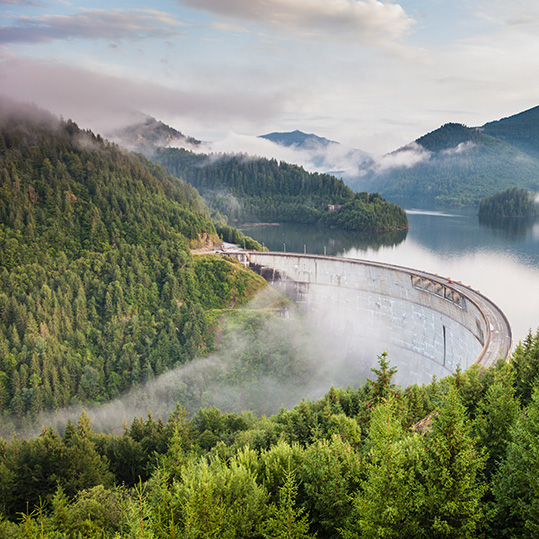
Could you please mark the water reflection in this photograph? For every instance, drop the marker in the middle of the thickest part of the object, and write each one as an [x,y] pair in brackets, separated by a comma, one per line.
[319,240]
[510,228]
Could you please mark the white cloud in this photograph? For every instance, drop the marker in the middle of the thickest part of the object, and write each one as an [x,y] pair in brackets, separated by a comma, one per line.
[407,157]
[357,20]
[332,158]
[460,148]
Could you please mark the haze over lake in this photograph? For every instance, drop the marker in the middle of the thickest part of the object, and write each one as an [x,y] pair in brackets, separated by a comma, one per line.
[499,259]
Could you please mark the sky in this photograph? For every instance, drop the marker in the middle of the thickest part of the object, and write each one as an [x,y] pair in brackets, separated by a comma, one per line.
[370,74]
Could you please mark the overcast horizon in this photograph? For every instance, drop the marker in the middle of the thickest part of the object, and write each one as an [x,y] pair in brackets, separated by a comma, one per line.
[372,75]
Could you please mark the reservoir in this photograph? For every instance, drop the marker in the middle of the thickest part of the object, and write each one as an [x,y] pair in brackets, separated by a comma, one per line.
[500,259]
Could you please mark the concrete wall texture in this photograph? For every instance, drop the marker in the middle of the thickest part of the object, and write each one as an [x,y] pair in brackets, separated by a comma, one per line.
[428,324]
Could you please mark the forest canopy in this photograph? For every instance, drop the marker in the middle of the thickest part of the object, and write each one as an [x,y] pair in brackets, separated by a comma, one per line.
[453,458]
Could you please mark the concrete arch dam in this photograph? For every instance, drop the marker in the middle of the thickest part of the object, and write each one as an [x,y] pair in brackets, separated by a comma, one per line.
[429,325]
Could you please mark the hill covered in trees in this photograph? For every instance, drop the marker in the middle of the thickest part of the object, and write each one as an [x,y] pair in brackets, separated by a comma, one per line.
[510,203]
[98,289]
[454,165]
[253,189]
[360,462]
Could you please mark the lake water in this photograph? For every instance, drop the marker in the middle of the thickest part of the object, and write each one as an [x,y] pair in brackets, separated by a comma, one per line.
[499,259]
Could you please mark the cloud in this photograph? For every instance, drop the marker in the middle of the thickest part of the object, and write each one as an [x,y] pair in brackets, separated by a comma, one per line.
[102,102]
[22,2]
[406,157]
[357,20]
[94,24]
[329,158]
[459,148]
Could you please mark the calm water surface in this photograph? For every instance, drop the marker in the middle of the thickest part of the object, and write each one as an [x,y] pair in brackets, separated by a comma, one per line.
[499,259]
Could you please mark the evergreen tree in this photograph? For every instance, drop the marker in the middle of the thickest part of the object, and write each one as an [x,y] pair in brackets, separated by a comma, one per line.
[389,499]
[516,484]
[452,493]
[286,520]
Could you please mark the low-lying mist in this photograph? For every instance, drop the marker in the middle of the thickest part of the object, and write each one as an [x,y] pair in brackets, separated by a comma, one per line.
[262,362]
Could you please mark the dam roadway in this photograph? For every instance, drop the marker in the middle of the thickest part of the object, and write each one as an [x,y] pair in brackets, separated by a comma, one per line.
[431,325]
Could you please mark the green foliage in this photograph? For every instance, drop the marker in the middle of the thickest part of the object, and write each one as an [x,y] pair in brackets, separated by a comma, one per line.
[382,388]
[512,202]
[286,520]
[452,493]
[250,189]
[99,291]
[515,485]
[221,500]
[201,476]
[525,361]
[233,235]
[330,473]
[388,503]
[496,415]
[223,282]
[367,212]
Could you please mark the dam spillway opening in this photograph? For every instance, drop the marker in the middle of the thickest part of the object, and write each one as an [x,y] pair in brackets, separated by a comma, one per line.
[428,325]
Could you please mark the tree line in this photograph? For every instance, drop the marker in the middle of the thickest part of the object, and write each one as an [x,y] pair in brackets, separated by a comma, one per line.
[512,202]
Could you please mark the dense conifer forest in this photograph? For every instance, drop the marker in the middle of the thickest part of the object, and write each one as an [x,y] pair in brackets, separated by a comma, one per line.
[252,189]
[98,289]
[513,202]
[360,462]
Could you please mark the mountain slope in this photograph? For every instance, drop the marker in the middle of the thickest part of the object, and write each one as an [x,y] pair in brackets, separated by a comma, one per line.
[521,130]
[98,289]
[148,135]
[456,164]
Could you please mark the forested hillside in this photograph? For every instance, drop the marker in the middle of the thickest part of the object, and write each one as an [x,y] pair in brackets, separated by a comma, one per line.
[98,289]
[454,458]
[253,189]
[454,165]
[521,130]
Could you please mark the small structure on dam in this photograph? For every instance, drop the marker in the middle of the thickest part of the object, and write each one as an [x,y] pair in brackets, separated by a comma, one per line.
[428,325]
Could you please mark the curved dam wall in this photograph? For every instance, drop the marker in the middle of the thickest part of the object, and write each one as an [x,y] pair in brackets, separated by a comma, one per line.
[429,325]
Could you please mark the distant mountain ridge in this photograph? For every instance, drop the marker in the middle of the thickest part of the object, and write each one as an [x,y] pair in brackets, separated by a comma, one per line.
[149,134]
[328,156]
[456,164]
[297,138]
[451,165]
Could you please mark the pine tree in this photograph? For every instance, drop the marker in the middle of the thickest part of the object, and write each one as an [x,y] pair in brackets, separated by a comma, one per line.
[516,484]
[452,493]
[286,520]
[387,503]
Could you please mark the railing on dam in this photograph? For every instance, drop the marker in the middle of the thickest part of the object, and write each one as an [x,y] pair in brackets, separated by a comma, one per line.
[434,323]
